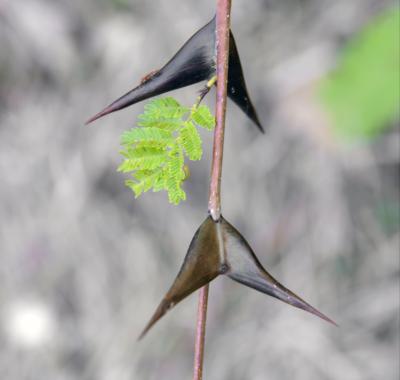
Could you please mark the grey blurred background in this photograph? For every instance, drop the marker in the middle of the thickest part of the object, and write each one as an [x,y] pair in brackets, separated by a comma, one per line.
[83,264]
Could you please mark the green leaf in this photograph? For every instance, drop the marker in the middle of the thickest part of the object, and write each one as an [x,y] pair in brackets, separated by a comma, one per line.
[175,175]
[203,117]
[175,164]
[146,135]
[176,195]
[159,183]
[163,108]
[143,181]
[191,141]
[362,95]
[387,212]
[161,123]
[136,187]
[154,153]
[142,158]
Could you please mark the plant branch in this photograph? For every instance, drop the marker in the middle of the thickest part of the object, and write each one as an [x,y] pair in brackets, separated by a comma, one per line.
[214,203]
[222,46]
[200,333]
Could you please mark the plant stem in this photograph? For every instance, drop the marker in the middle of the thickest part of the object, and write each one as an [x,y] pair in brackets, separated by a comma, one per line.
[200,333]
[214,202]
[222,42]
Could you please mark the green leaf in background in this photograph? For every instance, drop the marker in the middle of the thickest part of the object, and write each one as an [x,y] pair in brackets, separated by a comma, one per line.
[388,215]
[362,95]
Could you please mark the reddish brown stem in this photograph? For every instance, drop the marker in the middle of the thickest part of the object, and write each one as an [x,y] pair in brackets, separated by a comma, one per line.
[200,333]
[222,42]
[214,202]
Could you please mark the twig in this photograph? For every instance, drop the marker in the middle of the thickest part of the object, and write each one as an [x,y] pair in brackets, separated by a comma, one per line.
[222,38]
[214,203]
[200,333]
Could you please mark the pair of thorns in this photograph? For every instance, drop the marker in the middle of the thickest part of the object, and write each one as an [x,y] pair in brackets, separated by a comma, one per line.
[217,248]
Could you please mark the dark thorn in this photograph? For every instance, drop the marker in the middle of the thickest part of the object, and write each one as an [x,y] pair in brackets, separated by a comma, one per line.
[237,90]
[247,270]
[207,258]
[200,266]
[193,63]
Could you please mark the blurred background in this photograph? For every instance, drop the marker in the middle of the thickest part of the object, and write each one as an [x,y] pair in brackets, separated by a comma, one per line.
[83,264]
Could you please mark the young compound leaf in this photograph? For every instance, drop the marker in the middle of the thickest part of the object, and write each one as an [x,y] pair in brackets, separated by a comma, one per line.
[144,180]
[159,183]
[154,153]
[149,136]
[175,164]
[175,176]
[165,113]
[163,108]
[176,196]
[161,123]
[142,158]
[203,117]
[191,141]
[175,192]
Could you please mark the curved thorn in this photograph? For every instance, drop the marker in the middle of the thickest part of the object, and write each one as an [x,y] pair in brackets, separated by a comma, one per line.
[218,248]
[193,63]
[237,90]
[200,266]
[245,268]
